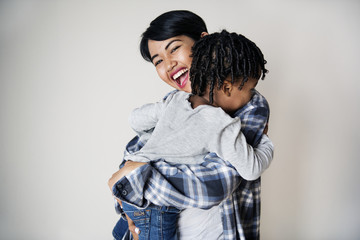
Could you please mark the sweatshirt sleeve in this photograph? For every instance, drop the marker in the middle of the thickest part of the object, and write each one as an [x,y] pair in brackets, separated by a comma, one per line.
[230,144]
[143,119]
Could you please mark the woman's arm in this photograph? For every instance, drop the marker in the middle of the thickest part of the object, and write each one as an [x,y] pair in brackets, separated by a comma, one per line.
[179,185]
[183,186]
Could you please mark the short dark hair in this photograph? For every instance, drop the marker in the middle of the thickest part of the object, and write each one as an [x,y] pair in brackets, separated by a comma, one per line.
[172,24]
[219,55]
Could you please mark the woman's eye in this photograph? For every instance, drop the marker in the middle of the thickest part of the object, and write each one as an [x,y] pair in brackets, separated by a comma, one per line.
[174,49]
[157,62]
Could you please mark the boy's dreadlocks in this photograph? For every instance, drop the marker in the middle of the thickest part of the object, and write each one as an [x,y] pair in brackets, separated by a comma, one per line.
[219,55]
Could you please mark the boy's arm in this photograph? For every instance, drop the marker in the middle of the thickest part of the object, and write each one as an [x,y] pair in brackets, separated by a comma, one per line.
[230,144]
[144,118]
[254,119]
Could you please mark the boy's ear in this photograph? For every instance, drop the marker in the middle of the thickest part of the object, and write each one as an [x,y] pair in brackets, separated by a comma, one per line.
[227,87]
[204,34]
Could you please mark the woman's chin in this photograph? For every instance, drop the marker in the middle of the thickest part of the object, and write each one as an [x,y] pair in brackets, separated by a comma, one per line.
[186,88]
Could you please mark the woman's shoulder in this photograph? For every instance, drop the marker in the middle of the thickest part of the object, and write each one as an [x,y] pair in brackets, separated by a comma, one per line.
[259,100]
[170,94]
[257,103]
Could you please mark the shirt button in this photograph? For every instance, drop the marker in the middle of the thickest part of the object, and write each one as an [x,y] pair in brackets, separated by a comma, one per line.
[124,192]
[119,186]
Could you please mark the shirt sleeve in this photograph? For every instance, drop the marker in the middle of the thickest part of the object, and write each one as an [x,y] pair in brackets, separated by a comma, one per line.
[254,118]
[144,118]
[253,123]
[183,186]
[230,144]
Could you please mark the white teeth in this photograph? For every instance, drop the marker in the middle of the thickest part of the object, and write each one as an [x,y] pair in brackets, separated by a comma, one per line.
[179,73]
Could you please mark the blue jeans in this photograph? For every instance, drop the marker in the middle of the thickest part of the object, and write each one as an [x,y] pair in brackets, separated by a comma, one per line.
[154,222]
[121,229]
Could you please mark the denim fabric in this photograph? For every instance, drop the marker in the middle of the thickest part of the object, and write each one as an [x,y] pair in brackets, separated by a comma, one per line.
[121,229]
[154,222]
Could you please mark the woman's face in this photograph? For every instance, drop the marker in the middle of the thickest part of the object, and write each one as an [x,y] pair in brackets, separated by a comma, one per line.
[172,60]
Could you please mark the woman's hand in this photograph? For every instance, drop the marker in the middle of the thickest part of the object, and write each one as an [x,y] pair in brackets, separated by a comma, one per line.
[115,178]
[128,167]
[266,128]
[132,228]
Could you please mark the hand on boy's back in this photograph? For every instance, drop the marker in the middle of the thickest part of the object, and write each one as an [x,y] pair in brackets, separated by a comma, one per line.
[266,128]
[130,166]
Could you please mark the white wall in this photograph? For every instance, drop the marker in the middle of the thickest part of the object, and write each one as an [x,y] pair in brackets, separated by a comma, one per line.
[70,72]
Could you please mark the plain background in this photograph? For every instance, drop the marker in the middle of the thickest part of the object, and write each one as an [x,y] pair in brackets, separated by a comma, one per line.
[71,72]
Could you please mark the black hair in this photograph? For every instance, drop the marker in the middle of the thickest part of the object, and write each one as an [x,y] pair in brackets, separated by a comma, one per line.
[220,55]
[172,24]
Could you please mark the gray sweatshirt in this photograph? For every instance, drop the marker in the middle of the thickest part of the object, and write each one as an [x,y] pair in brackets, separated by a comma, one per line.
[177,133]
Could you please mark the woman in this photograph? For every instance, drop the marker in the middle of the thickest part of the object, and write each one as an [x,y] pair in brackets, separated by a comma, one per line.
[167,44]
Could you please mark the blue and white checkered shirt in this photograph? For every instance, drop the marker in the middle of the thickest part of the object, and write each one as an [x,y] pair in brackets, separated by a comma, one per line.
[207,184]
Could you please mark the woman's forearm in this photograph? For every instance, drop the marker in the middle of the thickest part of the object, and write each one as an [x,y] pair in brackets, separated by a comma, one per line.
[180,185]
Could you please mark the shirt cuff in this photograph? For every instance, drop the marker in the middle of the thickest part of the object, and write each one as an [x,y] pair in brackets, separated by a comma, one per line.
[130,188]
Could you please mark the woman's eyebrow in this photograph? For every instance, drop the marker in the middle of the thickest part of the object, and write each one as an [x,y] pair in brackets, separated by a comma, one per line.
[152,58]
[168,45]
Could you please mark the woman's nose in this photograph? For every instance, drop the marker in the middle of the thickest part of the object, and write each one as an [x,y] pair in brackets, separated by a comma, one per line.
[170,65]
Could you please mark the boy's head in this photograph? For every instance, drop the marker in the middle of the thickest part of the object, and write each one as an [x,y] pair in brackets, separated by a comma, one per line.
[226,65]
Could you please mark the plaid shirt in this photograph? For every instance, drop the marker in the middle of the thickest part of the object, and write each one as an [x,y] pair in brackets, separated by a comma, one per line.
[205,185]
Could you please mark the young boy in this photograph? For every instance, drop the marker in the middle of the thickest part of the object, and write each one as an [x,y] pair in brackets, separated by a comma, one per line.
[184,127]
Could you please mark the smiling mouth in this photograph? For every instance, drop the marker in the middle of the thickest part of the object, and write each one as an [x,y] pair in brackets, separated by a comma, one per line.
[181,77]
